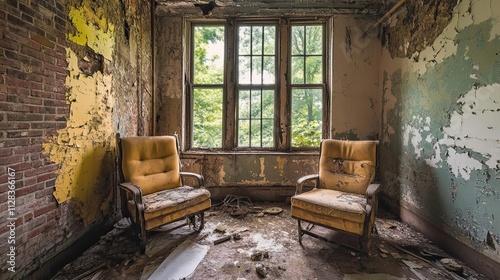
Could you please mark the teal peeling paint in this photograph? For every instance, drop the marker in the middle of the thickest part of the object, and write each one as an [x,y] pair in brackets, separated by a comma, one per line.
[466,207]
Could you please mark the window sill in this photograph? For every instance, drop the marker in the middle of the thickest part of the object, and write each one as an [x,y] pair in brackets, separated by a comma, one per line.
[265,153]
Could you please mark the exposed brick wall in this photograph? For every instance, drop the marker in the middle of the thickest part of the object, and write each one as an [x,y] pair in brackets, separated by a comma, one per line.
[32,107]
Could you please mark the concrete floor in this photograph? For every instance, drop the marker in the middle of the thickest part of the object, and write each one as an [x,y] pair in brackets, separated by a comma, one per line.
[396,252]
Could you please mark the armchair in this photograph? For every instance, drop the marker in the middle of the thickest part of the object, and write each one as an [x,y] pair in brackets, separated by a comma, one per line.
[344,197]
[152,187]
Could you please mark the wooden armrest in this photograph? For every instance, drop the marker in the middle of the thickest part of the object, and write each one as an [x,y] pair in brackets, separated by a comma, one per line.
[372,191]
[134,190]
[136,193]
[302,180]
[201,179]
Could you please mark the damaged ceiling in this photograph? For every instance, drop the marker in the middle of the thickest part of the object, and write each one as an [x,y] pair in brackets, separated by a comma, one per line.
[223,8]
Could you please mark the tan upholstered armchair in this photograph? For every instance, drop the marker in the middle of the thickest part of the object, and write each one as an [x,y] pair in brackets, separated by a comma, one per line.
[152,185]
[344,197]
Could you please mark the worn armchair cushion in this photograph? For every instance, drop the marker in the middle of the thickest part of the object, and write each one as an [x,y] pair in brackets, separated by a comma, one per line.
[347,166]
[170,204]
[345,211]
[151,163]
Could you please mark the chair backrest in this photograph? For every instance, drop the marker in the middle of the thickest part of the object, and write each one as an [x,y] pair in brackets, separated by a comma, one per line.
[347,166]
[151,162]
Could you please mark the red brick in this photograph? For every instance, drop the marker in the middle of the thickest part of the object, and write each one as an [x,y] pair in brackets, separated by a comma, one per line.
[15,125]
[41,170]
[12,159]
[27,149]
[27,217]
[45,209]
[44,192]
[45,177]
[21,166]
[28,189]
[5,152]
[42,40]
[24,117]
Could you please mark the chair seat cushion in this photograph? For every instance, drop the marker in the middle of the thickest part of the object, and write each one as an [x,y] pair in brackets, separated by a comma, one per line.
[171,200]
[332,203]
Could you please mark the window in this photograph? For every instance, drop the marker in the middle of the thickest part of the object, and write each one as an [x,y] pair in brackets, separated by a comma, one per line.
[257,85]
[208,78]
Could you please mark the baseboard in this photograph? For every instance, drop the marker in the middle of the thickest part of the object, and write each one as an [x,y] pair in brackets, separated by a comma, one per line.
[477,261]
[85,240]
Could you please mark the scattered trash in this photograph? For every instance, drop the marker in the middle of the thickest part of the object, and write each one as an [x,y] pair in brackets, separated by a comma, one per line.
[452,265]
[220,228]
[236,236]
[236,206]
[261,214]
[259,255]
[222,239]
[412,265]
[273,210]
[383,249]
[395,255]
[261,270]
[123,223]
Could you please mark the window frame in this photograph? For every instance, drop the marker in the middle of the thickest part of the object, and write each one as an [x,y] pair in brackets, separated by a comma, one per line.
[282,131]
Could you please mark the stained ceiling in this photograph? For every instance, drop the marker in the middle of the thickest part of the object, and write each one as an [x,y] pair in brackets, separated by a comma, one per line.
[225,8]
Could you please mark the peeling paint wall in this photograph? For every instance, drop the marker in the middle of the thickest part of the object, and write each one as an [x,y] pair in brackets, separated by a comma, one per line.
[355,77]
[356,103]
[440,87]
[104,69]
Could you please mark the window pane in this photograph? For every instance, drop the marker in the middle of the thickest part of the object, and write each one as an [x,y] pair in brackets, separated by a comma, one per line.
[314,40]
[298,70]
[244,104]
[306,117]
[244,70]
[255,134]
[267,133]
[256,70]
[244,37]
[269,70]
[207,118]
[258,131]
[314,70]
[269,40]
[208,55]
[243,133]
[268,104]
[256,101]
[298,40]
[257,38]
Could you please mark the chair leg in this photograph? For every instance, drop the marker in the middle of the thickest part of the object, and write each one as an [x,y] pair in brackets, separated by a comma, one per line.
[199,224]
[301,232]
[142,240]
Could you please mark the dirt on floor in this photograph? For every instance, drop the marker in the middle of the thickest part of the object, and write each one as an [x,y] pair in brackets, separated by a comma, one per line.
[266,247]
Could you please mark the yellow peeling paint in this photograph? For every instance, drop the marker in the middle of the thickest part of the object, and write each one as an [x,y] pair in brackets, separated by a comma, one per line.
[83,150]
[262,168]
[92,30]
[281,161]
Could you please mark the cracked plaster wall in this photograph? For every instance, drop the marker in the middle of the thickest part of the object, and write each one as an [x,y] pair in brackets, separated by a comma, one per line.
[440,81]
[108,91]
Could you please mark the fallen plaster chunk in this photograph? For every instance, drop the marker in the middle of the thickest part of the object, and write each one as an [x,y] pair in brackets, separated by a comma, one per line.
[181,262]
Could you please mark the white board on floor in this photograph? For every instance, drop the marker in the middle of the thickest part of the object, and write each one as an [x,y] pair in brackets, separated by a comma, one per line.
[181,262]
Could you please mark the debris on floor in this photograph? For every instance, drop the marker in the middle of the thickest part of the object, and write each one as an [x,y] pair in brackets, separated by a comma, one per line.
[267,248]
[181,262]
